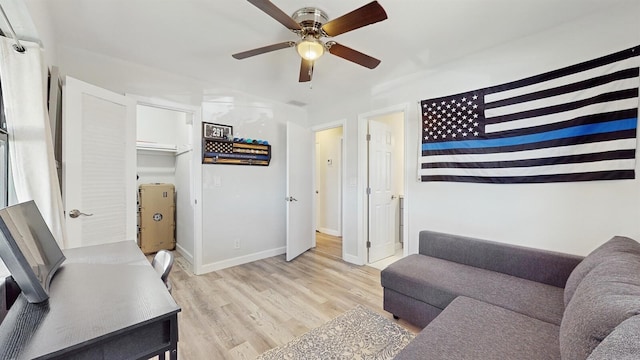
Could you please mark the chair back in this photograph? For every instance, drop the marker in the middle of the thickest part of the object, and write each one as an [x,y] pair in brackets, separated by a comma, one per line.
[162,263]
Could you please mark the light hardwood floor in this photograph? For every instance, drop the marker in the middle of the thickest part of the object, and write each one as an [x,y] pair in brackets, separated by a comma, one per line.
[329,244]
[240,312]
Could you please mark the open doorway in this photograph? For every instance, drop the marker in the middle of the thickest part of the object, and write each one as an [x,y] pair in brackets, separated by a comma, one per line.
[165,134]
[328,182]
[381,158]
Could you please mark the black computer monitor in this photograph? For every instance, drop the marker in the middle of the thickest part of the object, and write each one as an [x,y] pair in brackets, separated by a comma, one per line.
[29,250]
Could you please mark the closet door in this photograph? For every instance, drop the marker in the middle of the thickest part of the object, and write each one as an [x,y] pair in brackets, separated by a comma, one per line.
[99,159]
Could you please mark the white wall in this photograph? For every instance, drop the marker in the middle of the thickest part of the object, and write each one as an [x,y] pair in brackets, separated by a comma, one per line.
[185,232]
[569,217]
[24,16]
[240,202]
[329,183]
[126,77]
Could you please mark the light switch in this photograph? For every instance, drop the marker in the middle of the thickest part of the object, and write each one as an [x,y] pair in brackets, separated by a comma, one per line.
[217,182]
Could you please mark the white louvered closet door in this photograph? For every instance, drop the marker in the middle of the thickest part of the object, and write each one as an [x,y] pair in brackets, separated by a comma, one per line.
[99,161]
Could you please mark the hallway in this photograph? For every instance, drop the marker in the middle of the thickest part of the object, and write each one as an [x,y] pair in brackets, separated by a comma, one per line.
[329,245]
[332,246]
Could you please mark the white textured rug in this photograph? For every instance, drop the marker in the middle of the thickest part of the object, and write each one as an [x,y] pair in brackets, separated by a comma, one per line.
[359,333]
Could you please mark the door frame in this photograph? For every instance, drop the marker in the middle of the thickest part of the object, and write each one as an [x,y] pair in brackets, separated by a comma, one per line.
[343,174]
[363,167]
[196,169]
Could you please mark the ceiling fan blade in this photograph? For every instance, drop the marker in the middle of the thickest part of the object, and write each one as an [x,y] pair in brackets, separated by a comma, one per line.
[306,70]
[264,49]
[355,56]
[270,9]
[366,15]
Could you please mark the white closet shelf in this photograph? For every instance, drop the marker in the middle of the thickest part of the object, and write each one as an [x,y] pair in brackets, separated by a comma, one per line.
[147,146]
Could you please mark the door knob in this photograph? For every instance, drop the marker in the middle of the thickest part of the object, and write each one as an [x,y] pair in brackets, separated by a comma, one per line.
[291,198]
[75,213]
[393,197]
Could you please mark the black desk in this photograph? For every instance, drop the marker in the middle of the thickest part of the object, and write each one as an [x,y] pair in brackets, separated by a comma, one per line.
[105,302]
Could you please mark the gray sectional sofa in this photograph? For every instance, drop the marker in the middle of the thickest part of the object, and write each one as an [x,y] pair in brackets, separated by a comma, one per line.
[479,299]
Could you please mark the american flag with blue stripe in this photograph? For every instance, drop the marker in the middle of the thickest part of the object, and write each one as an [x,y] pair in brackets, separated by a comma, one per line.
[573,124]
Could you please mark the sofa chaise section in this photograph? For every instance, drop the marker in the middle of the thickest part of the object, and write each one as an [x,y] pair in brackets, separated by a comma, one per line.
[475,311]
[483,331]
[524,280]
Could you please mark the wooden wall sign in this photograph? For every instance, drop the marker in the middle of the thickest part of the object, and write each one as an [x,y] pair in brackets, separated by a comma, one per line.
[219,147]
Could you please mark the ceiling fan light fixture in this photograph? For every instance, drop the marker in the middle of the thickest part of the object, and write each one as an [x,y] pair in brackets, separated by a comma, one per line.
[311,25]
[310,48]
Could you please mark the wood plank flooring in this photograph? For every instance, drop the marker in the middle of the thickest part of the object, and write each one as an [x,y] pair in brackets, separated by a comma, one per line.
[240,312]
[328,244]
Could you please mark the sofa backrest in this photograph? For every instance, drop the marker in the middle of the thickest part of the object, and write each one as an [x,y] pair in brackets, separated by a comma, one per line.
[543,266]
[606,294]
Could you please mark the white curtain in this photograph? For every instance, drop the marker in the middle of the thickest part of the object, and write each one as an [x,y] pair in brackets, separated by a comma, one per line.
[24,91]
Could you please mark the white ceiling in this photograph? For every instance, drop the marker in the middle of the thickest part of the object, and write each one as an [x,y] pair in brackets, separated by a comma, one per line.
[195,38]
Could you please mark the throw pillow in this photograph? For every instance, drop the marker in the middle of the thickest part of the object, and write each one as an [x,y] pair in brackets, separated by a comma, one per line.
[622,343]
[611,249]
[608,295]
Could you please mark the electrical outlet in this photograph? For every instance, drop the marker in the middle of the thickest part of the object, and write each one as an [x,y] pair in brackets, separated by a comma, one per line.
[236,244]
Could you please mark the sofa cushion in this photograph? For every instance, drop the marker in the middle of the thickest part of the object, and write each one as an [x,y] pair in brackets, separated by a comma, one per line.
[608,295]
[613,248]
[437,282]
[622,344]
[472,329]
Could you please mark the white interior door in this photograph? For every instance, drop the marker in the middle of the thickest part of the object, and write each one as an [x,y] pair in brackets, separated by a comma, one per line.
[99,159]
[299,198]
[381,198]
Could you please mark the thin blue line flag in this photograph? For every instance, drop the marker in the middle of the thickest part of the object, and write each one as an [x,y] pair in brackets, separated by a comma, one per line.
[573,124]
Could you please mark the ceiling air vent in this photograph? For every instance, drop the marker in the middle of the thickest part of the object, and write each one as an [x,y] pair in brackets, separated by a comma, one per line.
[296,103]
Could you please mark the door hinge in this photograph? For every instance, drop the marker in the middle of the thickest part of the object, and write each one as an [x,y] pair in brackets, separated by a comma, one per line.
[368,191]
[368,137]
[368,244]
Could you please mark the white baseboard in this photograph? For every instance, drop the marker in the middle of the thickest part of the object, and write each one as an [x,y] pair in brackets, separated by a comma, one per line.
[219,265]
[329,232]
[185,254]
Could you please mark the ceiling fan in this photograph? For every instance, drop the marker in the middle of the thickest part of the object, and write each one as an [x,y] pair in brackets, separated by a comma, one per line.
[312,24]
